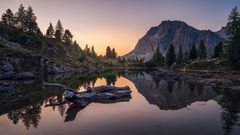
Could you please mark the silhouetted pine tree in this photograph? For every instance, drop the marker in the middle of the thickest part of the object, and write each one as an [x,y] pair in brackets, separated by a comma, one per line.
[202,50]
[108,52]
[76,46]
[87,50]
[59,31]
[186,56]
[233,32]
[50,31]
[193,52]
[157,59]
[8,18]
[170,56]
[67,37]
[30,22]
[180,56]
[218,50]
[113,54]
[93,53]
[21,18]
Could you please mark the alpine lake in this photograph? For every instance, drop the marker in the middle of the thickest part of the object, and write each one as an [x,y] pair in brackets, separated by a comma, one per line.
[156,106]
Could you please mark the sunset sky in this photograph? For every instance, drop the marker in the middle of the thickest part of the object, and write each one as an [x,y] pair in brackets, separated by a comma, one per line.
[120,23]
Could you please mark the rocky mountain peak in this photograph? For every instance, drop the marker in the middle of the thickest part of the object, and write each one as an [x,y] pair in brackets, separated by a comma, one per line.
[177,33]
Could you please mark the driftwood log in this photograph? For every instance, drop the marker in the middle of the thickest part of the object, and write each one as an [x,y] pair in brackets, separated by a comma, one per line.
[101,94]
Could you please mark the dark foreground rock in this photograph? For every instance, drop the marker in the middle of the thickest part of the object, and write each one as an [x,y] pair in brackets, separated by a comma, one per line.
[8,71]
[9,89]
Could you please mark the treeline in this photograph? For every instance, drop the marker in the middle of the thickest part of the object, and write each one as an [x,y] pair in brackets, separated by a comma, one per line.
[196,52]
[25,20]
[229,50]
[111,53]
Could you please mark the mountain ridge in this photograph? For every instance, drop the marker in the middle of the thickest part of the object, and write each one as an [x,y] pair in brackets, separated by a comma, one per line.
[174,32]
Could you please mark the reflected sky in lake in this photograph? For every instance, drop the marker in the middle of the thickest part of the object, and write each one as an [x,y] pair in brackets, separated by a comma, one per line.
[157,107]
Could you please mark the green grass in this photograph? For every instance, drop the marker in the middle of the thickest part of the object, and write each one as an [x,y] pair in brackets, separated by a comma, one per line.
[212,64]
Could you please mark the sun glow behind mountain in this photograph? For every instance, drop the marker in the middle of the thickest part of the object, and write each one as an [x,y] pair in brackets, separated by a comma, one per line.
[120,24]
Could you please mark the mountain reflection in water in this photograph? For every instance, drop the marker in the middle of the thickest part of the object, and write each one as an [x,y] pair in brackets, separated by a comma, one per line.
[31,103]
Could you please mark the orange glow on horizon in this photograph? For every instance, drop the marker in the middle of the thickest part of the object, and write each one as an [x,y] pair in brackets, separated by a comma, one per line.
[120,24]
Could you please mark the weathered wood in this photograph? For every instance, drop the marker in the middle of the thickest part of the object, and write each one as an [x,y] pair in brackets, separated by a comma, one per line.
[98,94]
[59,85]
[95,94]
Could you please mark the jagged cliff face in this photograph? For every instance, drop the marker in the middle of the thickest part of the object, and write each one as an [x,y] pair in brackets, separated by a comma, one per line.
[172,32]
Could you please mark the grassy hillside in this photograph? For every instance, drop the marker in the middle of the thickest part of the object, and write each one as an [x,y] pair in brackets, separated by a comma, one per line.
[217,64]
[39,54]
[35,45]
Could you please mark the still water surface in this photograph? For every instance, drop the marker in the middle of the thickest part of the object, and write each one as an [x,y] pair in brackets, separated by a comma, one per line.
[157,107]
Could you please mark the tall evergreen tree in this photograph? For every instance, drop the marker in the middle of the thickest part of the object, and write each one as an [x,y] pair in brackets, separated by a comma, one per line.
[59,31]
[67,37]
[202,50]
[113,54]
[93,53]
[157,58]
[170,56]
[87,50]
[186,56]
[108,52]
[233,32]
[180,56]
[50,31]
[21,18]
[8,18]
[193,52]
[30,21]
[218,50]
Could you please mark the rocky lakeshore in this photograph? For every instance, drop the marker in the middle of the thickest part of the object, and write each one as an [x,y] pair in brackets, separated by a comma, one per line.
[217,80]
[8,71]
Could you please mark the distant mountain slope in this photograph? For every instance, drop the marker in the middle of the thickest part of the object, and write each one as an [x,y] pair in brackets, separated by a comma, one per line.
[177,33]
[222,32]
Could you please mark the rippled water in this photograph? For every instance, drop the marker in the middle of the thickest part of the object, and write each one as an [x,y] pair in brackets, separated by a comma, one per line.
[157,107]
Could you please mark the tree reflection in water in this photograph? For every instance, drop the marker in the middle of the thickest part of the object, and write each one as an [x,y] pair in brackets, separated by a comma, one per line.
[29,115]
[166,94]
[175,95]
[230,111]
[111,79]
